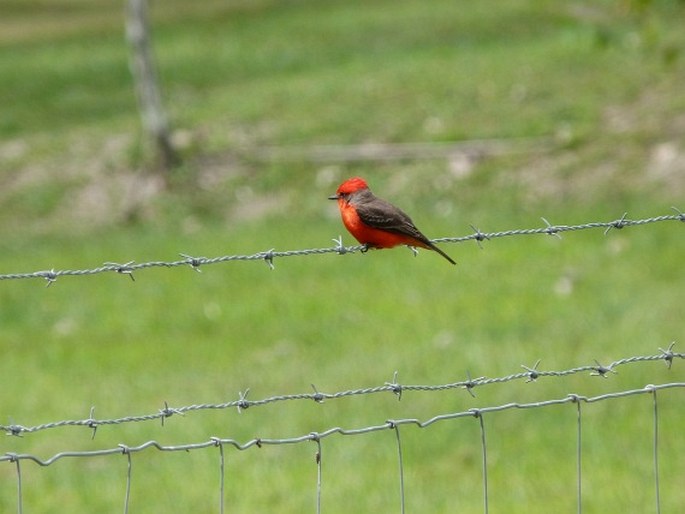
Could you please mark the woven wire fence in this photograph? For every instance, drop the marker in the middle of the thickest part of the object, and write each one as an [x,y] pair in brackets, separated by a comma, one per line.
[398,426]
[216,443]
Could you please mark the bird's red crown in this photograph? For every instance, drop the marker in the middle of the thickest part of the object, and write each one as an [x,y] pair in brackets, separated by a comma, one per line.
[352,185]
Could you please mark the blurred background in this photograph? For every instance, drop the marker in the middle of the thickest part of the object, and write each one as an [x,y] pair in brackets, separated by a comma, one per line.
[481,114]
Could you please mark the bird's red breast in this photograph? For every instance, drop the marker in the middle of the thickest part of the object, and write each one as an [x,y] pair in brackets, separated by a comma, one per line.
[369,235]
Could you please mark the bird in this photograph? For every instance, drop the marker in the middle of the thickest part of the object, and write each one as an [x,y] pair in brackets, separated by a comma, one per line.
[376,223]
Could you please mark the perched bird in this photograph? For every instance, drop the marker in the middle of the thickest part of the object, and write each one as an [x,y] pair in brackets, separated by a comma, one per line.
[376,223]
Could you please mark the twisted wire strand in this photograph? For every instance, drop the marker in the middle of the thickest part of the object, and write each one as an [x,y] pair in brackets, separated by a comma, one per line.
[530,374]
[268,256]
[478,413]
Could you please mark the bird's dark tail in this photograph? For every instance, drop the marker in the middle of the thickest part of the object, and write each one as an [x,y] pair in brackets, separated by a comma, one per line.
[436,249]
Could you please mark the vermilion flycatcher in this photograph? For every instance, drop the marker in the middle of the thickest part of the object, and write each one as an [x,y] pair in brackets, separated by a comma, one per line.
[376,223]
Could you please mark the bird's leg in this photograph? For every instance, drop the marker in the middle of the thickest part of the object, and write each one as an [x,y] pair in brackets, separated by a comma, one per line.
[414,250]
[365,247]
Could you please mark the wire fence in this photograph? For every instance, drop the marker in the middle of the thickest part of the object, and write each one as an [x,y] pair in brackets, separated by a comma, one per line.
[529,374]
[269,256]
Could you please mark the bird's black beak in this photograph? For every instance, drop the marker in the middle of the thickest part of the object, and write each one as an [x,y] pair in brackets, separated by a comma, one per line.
[333,197]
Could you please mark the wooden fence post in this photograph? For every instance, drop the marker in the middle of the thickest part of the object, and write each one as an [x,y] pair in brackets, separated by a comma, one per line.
[152,112]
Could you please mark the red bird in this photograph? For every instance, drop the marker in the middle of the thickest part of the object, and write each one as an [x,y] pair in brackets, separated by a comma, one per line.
[376,223]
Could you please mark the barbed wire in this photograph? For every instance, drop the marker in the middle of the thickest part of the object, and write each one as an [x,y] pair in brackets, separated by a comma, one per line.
[314,436]
[391,424]
[530,374]
[269,256]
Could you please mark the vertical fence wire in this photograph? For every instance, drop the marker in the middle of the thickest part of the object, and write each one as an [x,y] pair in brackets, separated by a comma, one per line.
[656,452]
[222,476]
[20,507]
[319,459]
[401,464]
[579,458]
[128,479]
[479,415]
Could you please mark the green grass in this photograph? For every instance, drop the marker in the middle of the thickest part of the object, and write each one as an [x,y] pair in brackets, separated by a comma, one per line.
[605,79]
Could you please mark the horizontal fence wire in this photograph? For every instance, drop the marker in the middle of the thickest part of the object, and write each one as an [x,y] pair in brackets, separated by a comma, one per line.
[317,436]
[529,374]
[269,256]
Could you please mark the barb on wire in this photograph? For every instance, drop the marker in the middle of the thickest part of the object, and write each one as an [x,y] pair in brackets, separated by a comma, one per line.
[394,386]
[340,247]
[601,371]
[123,269]
[478,236]
[532,372]
[618,224]
[194,262]
[551,229]
[318,397]
[50,276]
[91,423]
[167,412]
[470,384]
[668,354]
[269,256]
[242,403]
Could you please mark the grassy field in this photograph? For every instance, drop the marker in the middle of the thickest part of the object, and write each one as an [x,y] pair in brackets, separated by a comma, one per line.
[588,97]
